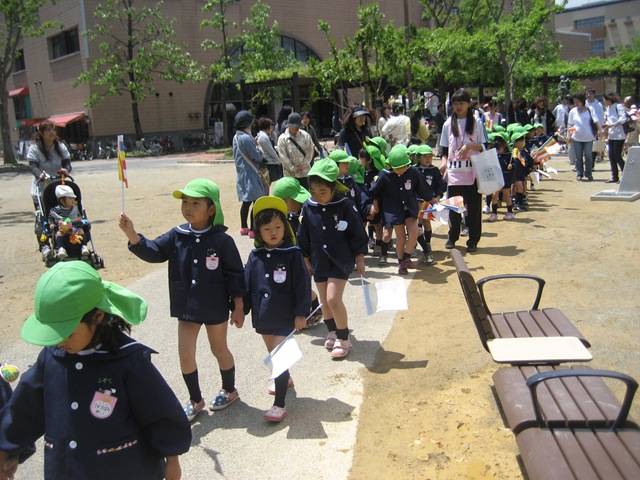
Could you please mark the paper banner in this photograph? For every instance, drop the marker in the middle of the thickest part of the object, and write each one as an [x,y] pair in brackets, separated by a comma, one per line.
[283,356]
[387,295]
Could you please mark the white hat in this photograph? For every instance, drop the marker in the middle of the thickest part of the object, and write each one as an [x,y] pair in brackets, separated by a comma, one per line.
[64,191]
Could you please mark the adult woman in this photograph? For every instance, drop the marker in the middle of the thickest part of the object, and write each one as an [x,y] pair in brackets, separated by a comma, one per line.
[544,116]
[306,126]
[281,121]
[248,160]
[584,124]
[46,157]
[385,113]
[614,116]
[492,116]
[463,137]
[356,128]
[266,143]
[418,125]
[296,150]
[631,106]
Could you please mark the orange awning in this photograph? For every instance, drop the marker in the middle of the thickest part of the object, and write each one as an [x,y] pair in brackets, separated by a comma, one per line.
[63,120]
[19,92]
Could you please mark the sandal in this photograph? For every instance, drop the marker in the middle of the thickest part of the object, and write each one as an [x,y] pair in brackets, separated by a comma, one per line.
[275,414]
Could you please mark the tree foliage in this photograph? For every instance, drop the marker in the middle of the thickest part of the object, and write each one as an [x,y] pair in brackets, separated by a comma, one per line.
[19,20]
[137,48]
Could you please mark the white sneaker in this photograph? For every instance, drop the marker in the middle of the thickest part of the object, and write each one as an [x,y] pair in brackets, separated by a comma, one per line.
[486,209]
[62,253]
[46,252]
[85,251]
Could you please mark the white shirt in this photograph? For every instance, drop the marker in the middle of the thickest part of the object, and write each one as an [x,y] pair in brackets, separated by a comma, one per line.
[598,110]
[580,120]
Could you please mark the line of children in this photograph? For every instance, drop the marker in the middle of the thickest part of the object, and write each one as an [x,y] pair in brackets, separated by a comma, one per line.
[508,170]
[523,167]
[398,188]
[278,287]
[206,281]
[373,161]
[90,388]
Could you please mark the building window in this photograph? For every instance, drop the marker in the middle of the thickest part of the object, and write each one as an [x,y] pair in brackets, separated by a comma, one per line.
[18,64]
[65,44]
[597,47]
[301,51]
[22,107]
[589,23]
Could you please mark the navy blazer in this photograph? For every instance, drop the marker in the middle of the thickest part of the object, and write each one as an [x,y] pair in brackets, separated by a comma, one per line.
[435,183]
[399,193]
[103,416]
[205,271]
[278,287]
[331,233]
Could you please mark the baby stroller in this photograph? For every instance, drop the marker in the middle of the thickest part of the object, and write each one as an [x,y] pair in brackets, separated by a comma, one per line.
[46,201]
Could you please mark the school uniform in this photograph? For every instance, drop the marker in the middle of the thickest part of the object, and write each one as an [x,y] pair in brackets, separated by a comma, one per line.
[523,163]
[103,416]
[294,220]
[205,271]
[433,178]
[332,236]
[505,159]
[359,195]
[278,288]
[399,195]
[370,177]
[5,394]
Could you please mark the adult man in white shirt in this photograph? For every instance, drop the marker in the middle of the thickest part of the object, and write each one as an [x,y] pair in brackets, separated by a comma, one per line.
[598,110]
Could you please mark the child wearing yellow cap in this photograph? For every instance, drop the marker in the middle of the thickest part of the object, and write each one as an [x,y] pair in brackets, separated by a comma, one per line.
[106,411]
[205,275]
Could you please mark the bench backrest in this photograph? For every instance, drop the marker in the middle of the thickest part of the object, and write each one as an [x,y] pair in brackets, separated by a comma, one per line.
[474,300]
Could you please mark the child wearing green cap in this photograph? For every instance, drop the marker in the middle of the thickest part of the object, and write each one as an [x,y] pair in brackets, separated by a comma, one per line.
[397,189]
[523,167]
[437,188]
[106,411]
[507,164]
[332,239]
[206,276]
[278,288]
[373,162]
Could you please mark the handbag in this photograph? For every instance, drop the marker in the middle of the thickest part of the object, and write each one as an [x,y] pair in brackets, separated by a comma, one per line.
[263,171]
[486,167]
[599,146]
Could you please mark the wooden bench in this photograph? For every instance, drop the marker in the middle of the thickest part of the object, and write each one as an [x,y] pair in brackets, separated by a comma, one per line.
[569,424]
[528,328]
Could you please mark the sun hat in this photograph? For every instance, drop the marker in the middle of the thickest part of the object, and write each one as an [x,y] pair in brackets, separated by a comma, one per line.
[289,187]
[517,136]
[379,160]
[513,126]
[498,128]
[242,120]
[412,149]
[294,120]
[359,111]
[328,170]
[398,157]
[424,150]
[379,142]
[68,291]
[64,191]
[339,156]
[272,203]
[203,188]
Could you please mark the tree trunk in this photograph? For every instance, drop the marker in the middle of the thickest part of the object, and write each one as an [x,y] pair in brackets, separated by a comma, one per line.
[9,156]
[136,119]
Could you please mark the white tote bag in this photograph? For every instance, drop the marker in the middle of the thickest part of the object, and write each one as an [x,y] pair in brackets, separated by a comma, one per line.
[488,172]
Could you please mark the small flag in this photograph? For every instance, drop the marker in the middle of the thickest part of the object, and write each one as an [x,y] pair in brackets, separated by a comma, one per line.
[387,295]
[455,203]
[283,356]
[122,163]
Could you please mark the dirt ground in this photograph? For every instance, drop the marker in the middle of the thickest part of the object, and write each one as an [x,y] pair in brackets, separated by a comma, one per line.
[429,410]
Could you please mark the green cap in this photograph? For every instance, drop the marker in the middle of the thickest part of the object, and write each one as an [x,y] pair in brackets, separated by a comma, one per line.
[538,125]
[67,292]
[424,150]
[378,158]
[513,126]
[339,156]
[328,170]
[289,187]
[517,136]
[412,149]
[203,188]
[356,170]
[498,128]
[528,127]
[380,143]
[398,157]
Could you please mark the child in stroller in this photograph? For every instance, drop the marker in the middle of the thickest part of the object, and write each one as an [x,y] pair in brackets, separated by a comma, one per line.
[66,222]
[62,218]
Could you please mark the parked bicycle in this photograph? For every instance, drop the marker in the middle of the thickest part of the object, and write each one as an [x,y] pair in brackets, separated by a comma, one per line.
[149,148]
[80,151]
[167,144]
[107,152]
[194,142]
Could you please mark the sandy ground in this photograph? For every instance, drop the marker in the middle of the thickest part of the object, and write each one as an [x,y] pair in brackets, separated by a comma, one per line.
[429,410]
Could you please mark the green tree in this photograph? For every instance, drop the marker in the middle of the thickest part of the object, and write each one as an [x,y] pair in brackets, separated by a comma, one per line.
[19,20]
[137,49]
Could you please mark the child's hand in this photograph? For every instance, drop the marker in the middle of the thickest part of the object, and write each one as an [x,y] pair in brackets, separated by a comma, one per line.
[307,262]
[373,211]
[360,264]
[300,322]
[126,225]
[237,317]
[8,465]
[173,470]
[510,167]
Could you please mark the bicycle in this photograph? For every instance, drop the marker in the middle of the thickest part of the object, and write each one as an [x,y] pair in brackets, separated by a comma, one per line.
[153,149]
